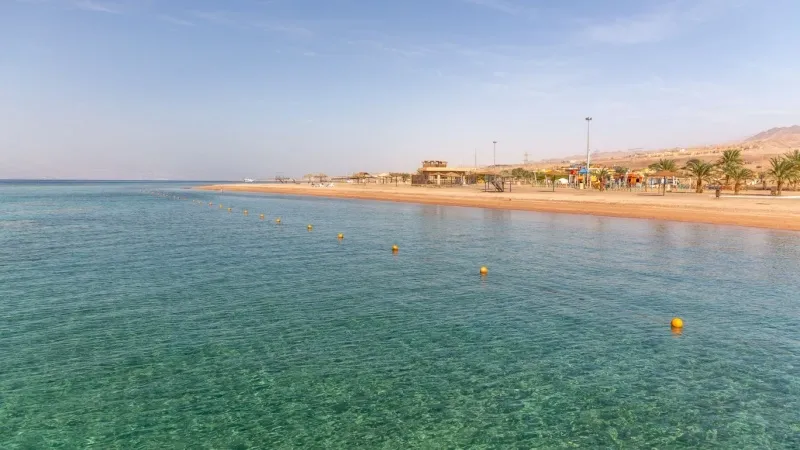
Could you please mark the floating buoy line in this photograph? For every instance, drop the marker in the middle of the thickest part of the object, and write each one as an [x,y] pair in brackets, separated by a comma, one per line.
[676,323]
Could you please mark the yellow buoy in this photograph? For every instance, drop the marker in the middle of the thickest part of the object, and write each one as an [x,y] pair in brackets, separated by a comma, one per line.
[245,212]
[278,220]
[309,227]
[395,249]
[677,322]
[484,270]
[261,217]
[340,236]
[220,206]
[230,209]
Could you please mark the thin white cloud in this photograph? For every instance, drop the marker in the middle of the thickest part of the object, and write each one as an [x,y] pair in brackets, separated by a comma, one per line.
[634,30]
[217,17]
[285,28]
[95,6]
[657,25]
[410,51]
[175,20]
[503,6]
[238,20]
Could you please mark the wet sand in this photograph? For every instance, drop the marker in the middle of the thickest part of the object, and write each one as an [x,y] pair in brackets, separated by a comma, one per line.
[754,209]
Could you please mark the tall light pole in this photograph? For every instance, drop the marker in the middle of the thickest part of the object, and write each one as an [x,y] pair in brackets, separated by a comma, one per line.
[494,153]
[587,181]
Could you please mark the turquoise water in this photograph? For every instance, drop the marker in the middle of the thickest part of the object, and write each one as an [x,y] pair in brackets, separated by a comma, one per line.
[129,320]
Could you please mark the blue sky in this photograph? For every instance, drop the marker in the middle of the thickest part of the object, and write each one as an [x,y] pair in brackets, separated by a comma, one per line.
[223,90]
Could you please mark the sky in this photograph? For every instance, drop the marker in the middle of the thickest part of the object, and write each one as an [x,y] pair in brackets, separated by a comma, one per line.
[212,90]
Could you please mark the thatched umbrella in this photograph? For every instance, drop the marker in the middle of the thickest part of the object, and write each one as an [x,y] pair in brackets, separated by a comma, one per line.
[663,175]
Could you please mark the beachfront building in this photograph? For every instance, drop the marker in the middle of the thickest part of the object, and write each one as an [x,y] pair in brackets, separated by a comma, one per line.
[437,173]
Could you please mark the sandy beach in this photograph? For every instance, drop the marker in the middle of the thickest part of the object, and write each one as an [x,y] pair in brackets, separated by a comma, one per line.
[750,209]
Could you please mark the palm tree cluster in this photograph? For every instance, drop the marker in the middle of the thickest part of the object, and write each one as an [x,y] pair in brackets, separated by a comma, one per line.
[785,169]
[731,165]
[702,171]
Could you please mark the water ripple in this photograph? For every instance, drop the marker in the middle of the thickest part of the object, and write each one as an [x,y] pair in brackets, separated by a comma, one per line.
[132,320]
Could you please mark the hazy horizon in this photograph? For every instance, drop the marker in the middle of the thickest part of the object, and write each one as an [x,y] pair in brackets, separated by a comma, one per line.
[209,90]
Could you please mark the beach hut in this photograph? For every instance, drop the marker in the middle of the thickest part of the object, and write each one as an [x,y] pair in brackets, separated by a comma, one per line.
[437,173]
[633,179]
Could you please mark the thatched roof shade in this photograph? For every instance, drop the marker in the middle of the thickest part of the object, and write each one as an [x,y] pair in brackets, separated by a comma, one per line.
[664,173]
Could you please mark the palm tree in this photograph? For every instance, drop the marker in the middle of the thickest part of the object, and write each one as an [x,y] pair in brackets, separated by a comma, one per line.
[782,170]
[739,175]
[731,157]
[794,158]
[602,177]
[762,178]
[730,160]
[668,165]
[703,171]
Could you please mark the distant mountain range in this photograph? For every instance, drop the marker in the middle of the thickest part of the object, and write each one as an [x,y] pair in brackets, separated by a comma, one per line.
[756,150]
[778,135]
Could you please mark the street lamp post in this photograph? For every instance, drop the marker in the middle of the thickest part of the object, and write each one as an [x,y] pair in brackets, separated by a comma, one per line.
[588,129]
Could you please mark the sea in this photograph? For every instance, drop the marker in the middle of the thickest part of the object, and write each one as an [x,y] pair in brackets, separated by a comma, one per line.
[145,315]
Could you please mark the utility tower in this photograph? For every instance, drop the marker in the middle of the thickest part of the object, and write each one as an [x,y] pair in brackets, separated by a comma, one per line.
[526,159]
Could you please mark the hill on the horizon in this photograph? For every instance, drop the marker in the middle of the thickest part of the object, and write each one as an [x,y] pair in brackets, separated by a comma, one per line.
[779,133]
[756,150]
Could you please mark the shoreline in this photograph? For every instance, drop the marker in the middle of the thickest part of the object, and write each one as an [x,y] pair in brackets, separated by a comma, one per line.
[678,207]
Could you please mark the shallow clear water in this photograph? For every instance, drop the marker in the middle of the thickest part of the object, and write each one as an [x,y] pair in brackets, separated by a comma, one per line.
[129,320]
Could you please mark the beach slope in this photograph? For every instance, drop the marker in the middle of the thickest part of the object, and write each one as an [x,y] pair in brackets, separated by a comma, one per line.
[753,210]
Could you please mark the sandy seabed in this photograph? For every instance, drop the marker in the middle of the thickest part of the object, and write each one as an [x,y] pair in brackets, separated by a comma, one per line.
[752,209]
